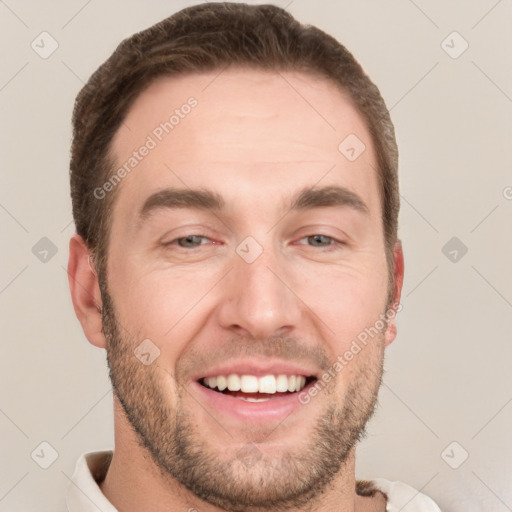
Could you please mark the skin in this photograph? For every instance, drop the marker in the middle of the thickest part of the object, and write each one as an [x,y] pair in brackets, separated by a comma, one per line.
[257,141]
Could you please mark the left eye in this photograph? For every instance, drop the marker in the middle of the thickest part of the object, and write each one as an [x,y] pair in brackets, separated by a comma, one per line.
[321,239]
[189,241]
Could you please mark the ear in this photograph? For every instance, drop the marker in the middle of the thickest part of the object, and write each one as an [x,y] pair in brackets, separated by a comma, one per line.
[395,306]
[85,291]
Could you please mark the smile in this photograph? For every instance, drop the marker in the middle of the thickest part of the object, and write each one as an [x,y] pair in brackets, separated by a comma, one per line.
[253,388]
[254,398]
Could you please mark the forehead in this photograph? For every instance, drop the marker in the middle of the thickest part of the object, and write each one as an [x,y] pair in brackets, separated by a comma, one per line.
[249,132]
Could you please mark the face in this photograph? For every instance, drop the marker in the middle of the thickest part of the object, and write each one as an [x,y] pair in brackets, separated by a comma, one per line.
[246,257]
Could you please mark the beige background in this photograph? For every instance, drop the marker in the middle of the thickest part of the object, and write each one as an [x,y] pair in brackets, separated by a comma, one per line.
[448,373]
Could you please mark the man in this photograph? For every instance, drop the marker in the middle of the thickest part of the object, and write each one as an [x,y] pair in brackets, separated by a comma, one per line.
[235,195]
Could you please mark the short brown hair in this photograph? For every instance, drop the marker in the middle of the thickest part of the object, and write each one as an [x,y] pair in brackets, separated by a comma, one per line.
[202,38]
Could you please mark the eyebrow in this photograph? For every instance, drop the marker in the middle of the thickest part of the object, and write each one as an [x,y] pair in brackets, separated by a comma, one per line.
[205,199]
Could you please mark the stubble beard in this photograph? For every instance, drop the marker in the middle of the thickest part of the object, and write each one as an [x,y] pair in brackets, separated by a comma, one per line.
[258,481]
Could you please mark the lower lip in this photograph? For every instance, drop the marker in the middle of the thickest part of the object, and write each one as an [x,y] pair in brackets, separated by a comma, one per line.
[273,409]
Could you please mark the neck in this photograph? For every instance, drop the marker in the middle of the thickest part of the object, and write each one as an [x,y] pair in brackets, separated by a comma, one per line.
[135,484]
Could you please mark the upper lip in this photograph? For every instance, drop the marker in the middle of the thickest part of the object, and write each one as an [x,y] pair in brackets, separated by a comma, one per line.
[259,368]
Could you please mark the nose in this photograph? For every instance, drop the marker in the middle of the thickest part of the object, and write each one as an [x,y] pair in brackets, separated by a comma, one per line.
[258,299]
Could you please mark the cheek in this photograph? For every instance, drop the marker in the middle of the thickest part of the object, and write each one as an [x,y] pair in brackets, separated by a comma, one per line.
[346,301]
[157,305]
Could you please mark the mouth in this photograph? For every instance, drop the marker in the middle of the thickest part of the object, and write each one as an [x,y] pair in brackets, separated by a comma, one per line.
[253,388]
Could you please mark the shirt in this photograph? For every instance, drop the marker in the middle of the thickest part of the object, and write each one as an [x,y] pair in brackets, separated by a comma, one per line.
[84,493]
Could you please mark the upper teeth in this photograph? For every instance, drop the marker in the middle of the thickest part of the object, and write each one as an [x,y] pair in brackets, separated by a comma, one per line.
[252,384]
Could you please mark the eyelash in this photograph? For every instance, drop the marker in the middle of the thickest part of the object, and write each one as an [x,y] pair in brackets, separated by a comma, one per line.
[334,245]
